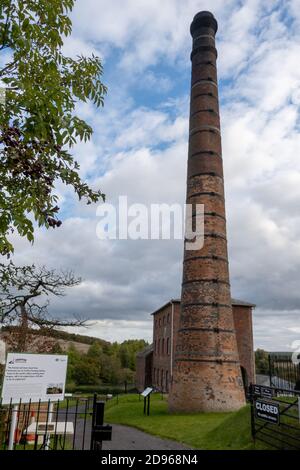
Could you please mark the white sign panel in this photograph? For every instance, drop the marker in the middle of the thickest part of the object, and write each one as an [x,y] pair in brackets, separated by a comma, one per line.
[34,377]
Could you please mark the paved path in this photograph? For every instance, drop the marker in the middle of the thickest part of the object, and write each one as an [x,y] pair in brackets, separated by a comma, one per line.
[124,437]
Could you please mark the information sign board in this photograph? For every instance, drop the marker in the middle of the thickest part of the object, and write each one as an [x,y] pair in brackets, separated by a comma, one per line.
[34,377]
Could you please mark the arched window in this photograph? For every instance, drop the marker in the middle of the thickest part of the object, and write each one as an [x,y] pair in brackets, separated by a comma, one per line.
[162,380]
[168,320]
[168,346]
[163,347]
[158,352]
[167,380]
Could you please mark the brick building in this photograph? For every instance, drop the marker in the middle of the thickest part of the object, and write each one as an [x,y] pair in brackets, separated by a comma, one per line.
[155,363]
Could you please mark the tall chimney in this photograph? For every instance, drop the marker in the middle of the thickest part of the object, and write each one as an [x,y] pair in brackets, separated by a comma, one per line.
[207,371]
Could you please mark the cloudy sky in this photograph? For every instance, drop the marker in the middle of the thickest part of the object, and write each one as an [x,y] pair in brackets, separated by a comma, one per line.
[139,149]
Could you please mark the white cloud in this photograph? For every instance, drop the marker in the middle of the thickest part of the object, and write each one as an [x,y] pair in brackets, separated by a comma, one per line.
[116,330]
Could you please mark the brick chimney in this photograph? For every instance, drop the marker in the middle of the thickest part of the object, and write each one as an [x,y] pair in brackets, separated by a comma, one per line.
[207,373]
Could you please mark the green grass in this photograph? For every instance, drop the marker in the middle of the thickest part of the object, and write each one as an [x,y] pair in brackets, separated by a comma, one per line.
[207,431]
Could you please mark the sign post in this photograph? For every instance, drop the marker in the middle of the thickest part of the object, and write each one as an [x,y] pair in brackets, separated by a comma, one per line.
[146,394]
[2,352]
[13,426]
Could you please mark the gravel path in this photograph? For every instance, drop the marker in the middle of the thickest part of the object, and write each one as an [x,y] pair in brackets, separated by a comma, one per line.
[124,437]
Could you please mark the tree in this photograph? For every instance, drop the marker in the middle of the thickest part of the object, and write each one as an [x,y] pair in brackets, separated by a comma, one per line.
[22,298]
[111,369]
[95,351]
[38,121]
[87,372]
[128,351]
[74,358]
[261,361]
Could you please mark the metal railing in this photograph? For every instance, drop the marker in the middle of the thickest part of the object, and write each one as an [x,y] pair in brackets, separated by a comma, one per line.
[283,372]
[61,425]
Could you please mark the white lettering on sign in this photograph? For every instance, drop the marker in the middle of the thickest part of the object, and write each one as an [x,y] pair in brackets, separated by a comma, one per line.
[267,407]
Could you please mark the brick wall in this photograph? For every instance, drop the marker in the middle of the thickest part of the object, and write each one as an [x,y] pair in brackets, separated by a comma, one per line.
[162,338]
[242,317]
[154,364]
[144,366]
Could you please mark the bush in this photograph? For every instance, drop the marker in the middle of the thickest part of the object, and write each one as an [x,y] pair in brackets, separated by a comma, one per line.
[101,389]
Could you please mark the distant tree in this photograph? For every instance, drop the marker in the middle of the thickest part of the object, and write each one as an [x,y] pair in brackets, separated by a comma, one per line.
[128,351]
[125,356]
[22,298]
[126,375]
[261,361]
[111,370]
[86,372]
[95,351]
[38,120]
[74,357]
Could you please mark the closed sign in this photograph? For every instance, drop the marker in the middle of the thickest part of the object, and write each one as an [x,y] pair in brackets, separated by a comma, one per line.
[267,411]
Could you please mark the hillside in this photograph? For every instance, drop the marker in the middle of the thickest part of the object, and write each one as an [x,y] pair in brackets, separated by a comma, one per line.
[53,337]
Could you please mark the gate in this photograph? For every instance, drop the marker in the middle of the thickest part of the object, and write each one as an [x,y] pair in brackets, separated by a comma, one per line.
[62,425]
[283,372]
[275,416]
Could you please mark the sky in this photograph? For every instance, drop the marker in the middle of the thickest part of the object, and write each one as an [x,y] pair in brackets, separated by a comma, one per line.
[139,149]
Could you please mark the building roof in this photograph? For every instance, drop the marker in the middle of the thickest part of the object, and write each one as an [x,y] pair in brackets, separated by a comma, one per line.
[242,303]
[236,302]
[172,301]
[145,352]
[281,353]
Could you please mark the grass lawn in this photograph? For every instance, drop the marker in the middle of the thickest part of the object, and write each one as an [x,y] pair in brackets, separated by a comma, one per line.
[207,431]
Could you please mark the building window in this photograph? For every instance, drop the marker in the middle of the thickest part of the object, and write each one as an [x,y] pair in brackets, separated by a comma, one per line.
[160,322]
[158,350]
[168,346]
[167,380]
[163,347]
[162,380]
[168,318]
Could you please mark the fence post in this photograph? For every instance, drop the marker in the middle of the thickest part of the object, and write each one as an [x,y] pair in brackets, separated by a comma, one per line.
[270,370]
[13,427]
[252,411]
[97,421]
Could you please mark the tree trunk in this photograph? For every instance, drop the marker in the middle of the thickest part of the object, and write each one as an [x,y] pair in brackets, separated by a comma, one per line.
[23,330]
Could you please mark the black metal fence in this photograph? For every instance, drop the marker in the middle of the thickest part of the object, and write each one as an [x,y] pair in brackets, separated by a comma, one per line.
[283,372]
[275,417]
[61,425]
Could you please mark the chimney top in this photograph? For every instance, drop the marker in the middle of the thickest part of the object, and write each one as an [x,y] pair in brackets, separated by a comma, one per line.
[203,19]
